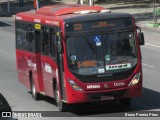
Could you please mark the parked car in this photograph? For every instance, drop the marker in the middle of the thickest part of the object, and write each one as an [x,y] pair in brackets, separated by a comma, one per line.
[5,107]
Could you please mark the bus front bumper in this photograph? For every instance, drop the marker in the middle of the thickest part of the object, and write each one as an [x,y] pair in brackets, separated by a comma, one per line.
[104,95]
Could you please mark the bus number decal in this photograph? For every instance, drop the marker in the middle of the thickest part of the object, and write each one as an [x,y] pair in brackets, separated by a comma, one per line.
[48,68]
[77,26]
[37,26]
[31,64]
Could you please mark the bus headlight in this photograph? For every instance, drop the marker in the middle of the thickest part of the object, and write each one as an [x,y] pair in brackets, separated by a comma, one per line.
[135,79]
[74,85]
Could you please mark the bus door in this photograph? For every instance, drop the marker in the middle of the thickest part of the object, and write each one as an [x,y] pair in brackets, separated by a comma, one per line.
[48,58]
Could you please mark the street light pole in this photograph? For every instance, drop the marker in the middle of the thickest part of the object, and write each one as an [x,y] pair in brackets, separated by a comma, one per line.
[91,2]
[37,4]
[81,1]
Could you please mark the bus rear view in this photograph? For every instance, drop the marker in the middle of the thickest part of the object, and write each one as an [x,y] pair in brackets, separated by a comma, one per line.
[96,56]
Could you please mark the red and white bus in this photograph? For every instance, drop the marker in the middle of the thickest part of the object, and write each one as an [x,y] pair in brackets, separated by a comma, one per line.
[78,54]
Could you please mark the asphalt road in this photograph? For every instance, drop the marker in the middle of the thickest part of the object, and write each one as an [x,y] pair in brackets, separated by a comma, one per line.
[20,98]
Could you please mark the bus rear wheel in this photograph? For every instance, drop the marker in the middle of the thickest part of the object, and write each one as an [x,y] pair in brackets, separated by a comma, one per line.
[35,95]
[62,107]
[125,102]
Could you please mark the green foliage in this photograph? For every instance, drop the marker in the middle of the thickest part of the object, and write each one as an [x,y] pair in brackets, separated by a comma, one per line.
[156,12]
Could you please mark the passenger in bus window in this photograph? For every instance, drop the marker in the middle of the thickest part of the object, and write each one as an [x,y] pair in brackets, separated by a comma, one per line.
[73,61]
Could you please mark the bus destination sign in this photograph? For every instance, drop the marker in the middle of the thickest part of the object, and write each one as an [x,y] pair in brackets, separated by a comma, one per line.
[101,24]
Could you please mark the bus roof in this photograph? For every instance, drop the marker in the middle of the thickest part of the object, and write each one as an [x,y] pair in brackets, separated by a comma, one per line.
[68,13]
[59,10]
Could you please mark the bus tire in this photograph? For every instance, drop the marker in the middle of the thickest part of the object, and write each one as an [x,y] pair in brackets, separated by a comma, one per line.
[35,95]
[62,107]
[125,102]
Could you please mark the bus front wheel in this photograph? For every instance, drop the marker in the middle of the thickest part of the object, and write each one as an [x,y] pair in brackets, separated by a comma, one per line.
[61,105]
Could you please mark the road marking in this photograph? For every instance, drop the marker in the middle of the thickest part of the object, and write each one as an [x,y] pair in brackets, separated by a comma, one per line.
[148,65]
[152,45]
[144,105]
[155,33]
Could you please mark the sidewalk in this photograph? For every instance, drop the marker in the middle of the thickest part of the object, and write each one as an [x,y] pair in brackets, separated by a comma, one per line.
[142,10]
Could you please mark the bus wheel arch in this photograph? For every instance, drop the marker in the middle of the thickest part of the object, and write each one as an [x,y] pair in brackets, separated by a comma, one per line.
[60,104]
[35,95]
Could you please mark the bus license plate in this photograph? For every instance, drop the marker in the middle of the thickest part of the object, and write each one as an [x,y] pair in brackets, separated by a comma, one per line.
[107,98]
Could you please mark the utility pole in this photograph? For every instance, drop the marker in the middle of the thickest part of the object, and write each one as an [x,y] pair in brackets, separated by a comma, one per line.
[8,4]
[81,2]
[1,12]
[36,4]
[155,11]
[91,2]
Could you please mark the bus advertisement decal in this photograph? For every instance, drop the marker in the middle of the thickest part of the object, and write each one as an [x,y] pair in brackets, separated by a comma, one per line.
[48,68]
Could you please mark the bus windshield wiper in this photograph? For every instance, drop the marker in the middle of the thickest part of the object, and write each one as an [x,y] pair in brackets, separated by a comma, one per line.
[90,45]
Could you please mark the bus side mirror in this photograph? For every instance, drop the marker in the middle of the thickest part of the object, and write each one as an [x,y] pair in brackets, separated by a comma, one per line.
[141,38]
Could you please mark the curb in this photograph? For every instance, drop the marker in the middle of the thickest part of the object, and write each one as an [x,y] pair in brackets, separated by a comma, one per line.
[153,25]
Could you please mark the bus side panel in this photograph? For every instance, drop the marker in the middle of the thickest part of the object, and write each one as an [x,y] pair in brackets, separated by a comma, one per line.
[22,66]
[32,64]
[19,66]
[29,62]
[49,67]
[38,76]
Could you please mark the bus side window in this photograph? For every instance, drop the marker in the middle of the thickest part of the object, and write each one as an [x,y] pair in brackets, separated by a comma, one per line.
[52,43]
[31,40]
[45,41]
[37,41]
[18,35]
[25,36]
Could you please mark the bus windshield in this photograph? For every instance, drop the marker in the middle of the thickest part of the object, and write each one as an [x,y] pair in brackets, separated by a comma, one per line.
[102,53]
